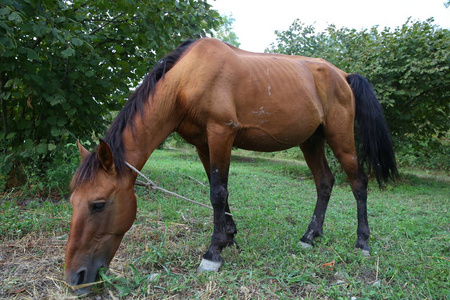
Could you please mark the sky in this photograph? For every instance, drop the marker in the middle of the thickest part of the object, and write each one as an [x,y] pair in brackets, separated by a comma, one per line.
[256,20]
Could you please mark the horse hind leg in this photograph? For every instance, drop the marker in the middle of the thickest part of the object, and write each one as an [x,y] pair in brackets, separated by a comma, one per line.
[314,152]
[344,149]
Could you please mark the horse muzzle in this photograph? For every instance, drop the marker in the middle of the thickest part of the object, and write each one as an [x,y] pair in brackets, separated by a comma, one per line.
[81,280]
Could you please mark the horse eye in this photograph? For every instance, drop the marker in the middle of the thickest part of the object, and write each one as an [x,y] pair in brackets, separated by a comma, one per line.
[97,206]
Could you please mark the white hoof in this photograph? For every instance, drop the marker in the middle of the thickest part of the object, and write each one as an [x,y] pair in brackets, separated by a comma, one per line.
[305,245]
[209,266]
[365,252]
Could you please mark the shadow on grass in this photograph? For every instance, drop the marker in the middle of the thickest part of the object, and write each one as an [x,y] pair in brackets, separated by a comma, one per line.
[424,180]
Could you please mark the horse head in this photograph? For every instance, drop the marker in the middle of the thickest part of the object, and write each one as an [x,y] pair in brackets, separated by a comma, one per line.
[104,208]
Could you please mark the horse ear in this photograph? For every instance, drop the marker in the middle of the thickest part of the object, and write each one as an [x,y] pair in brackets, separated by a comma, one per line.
[105,156]
[83,152]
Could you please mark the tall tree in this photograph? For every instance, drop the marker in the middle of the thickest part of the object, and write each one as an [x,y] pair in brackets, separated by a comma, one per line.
[66,65]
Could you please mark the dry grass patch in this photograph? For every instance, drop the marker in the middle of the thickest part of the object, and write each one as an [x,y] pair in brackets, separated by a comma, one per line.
[32,267]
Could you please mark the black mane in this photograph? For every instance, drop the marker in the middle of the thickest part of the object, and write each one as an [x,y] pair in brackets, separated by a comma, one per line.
[134,105]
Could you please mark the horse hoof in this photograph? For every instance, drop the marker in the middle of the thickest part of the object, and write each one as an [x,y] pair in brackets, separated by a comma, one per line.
[305,245]
[209,266]
[365,252]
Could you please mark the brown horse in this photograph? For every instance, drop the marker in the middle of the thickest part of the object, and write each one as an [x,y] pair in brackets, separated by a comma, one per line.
[217,96]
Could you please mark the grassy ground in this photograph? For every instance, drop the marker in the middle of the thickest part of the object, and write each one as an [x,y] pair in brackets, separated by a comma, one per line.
[272,202]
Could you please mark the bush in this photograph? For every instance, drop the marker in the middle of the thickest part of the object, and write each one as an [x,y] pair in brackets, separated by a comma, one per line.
[41,176]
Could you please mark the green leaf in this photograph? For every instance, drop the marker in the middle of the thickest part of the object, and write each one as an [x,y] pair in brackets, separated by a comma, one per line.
[5,95]
[53,100]
[32,54]
[68,52]
[4,11]
[9,83]
[39,29]
[60,19]
[71,112]
[56,132]
[66,106]
[15,17]
[76,42]
[61,122]
[118,48]
[41,148]
[56,32]
[10,135]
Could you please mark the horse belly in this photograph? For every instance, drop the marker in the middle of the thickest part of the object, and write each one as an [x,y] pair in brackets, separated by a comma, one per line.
[255,140]
[274,136]
[270,123]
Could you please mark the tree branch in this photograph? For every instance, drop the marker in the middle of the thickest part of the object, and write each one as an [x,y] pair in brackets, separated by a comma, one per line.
[107,23]
[4,79]
[411,101]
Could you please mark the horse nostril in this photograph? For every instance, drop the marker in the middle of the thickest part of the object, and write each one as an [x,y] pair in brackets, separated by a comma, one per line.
[80,277]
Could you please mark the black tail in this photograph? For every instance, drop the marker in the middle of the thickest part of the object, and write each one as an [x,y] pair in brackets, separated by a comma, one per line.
[374,142]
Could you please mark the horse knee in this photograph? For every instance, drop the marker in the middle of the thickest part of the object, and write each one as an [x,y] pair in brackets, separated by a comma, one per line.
[219,196]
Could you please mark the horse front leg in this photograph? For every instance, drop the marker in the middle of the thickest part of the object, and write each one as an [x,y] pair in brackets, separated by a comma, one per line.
[203,153]
[221,237]
[224,226]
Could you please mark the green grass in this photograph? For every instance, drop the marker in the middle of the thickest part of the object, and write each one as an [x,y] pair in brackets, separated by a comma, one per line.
[272,200]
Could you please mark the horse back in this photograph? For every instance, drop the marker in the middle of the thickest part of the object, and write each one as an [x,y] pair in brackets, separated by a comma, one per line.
[277,101]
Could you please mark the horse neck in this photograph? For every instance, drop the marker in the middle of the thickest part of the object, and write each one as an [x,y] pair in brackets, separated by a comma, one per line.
[151,128]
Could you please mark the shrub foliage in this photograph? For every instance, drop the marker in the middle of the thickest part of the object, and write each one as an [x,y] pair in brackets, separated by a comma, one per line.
[65,66]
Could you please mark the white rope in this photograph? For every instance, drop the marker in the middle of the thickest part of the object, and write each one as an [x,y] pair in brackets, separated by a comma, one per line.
[151,185]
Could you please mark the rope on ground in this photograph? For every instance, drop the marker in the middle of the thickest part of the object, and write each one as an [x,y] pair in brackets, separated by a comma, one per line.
[151,185]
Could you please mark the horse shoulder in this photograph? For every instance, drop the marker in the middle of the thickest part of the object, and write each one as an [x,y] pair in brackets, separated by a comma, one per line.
[207,74]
